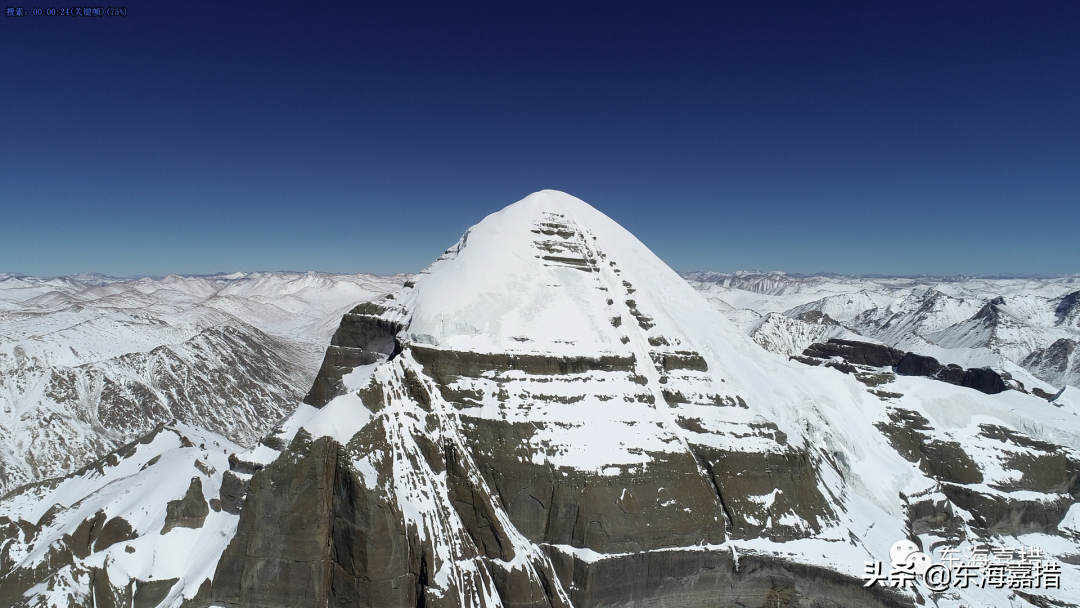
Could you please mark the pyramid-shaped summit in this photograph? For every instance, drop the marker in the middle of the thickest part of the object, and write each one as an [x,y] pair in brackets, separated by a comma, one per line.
[549,416]
[548,274]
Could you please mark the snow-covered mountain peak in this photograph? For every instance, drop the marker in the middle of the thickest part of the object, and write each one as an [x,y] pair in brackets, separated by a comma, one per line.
[551,274]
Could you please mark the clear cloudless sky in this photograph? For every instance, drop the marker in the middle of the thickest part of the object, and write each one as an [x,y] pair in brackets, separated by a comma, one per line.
[853,137]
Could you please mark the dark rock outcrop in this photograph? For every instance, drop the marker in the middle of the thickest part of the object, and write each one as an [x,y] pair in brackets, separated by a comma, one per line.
[907,432]
[951,373]
[816,317]
[148,594]
[982,379]
[280,554]
[1057,364]
[859,353]
[243,466]
[935,516]
[313,533]
[188,512]
[681,360]
[990,314]
[444,366]
[232,492]
[789,476]
[1054,358]
[917,365]
[14,582]
[82,539]
[116,530]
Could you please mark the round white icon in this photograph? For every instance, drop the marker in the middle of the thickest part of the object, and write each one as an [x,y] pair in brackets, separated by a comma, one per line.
[901,550]
[921,560]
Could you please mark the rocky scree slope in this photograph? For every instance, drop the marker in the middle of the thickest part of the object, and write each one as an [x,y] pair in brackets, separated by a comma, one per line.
[550,416]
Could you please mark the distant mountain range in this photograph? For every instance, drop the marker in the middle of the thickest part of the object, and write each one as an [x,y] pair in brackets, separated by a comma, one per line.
[89,362]
[1027,325]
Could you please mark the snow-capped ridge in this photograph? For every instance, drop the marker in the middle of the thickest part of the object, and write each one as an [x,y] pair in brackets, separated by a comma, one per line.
[544,269]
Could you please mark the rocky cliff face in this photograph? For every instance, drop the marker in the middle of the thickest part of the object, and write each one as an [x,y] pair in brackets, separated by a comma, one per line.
[548,416]
[562,422]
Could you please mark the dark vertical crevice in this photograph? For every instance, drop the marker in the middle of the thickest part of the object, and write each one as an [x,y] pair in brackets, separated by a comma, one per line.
[729,518]
[546,538]
[422,582]
[398,348]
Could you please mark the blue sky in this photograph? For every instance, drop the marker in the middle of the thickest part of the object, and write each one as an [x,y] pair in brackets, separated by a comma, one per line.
[886,137]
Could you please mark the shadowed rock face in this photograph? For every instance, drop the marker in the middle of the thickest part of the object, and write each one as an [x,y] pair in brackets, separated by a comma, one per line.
[362,338]
[1058,364]
[1067,312]
[1053,359]
[917,365]
[114,531]
[149,594]
[313,534]
[984,380]
[951,373]
[231,494]
[280,555]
